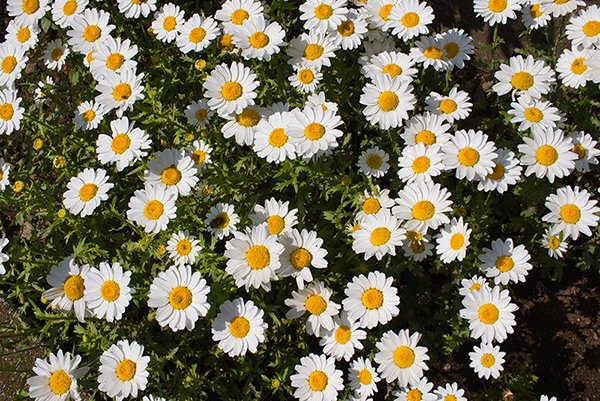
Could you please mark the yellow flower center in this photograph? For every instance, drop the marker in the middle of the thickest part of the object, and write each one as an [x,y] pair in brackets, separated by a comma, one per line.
[115,61]
[497,6]
[258,40]
[371,206]
[546,155]
[488,360]
[343,334]
[248,117]
[92,33]
[231,91]
[315,304]
[450,397]
[69,8]
[278,138]
[9,63]
[504,263]
[221,221]
[258,257]
[239,16]
[314,131]
[522,81]
[380,236]
[126,370]
[201,115]
[180,297]
[90,56]
[317,380]
[374,161]
[414,395]
[6,111]
[388,101]
[87,192]
[313,51]
[421,164]
[323,11]
[184,247]
[239,327]
[306,76]
[276,224]
[30,6]
[169,23]
[365,377]
[553,242]
[393,70]
[488,313]
[579,150]
[475,287]
[533,114]
[535,12]
[404,357]
[23,34]
[384,12]
[110,291]
[372,298]
[451,49]
[198,156]
[170,176]
[300,258]
[591,28]
[56,54]
[468,157]
[197,35]
[425,137]
[410,19]
[456,241]
[434,53]
[577,66]
[226,41]
[570,213]
[88,115]
[346,28]
[121,92]
[423,210]
[120,143]
[448,106]
[59,382]
[73,287]
[153,210]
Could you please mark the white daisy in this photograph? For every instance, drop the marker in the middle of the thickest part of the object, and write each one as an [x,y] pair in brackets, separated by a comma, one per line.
[506,171]
[341,341]
[572,211]
[68,284]
[586,151]
[457,45]
[279,218]
[496,11]
[387,101]
[126,144]
[490,314]
[197,33]
[173,169]
[363,377]
[3,257]
[120,90]
[313,130]
[379,12]
[303,249]
[322,15]
[43,89]
[395,65]
[409,19]
[233,13]
[200,152]
[259,39]
[22,34]
[65,11]
[319,101]
[198,113]
[239,327]
[418,247]
[167,22]
[584,28]
[123,370]
[453,241]
[350,33]
[243,125]
[422,206]
[12,62]
[474,283]
[430,51]
[505,262]
[421,391]
[221,220]
[419,163]
[136,8]
[533,16]
[379,235]
[305,78]
[554,241]
[27,11]
[113,55]
[180,297]
[183,248]
[314,299]
[450,392]
[230,89]
[558,8]
[546,398]
[373,162]
[316,378]
[271,140]
[107,292]
[548,154]
[371,203]
[427,129]
[376,42]
[56,377]
[487,360]
[89,28]
[572,67]
[11,111]
[55,54]
[152,207]
[470,153]
[86,191]
[400,358]
[89,115]
[453,107]
[534,114]
[524,76]
[312,48]
[4,173]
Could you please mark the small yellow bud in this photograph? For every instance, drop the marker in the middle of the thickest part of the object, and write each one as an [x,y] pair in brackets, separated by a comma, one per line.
[275,383]
[206,191]
[61,213]
[43,300]
[84,339]
[161,249]
[18,186]
[38,143]
[200,64]
[59,162]
[346,180]
[189,137]
[150,29]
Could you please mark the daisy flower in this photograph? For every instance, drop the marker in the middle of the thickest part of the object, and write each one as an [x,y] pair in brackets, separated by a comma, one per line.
[89,28]
[457,45]
[373,162]
[420,391]
[363,377]
[243,125]
[200,152]
[395,65]
[126,144]
[3,257]
[253,257]
[453,107]
[490,314]
[239,327]
[409,19]
[546,398]
[107,291]
[43,88]
[533,16]
[572,69]
[56,377]
[183,248]
[4,173]
[22,34]
[136,8]
[55,54]
[376,42]
[179,296]
[221,220]
[371,203]
[271,140]
[534,114]
[506,171]
[558,8]
[86,191]
[487,360]
[65,11]
[379,13]
[371,300]
[302,250]
[422,206]
[152,207]
[89,115]
[168,20]
[496,11]
[173,169]
[12,62]
[453,241]
[400,358]
[198,113]
[259,39]
[305,78]
[505,262]
[230,89]
[319,101]
[419,163]
[474,283]
[314,299]
[427,129]
[548,154]
[343,339]
[279,218]
[11,111]
[120,90]
[233,13]
[27,11]
[470,153]
[379,235]
[524,76]
[429,51]
[387,101]
[312,49]
[113,55]
[123,370]
[350,32]
[68,284]
[584,28]
[554,241]
[197,33]
[450,391]
[322,15]
[418,248]
[316,378]
[572,211]
[586,151]
[313,130]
